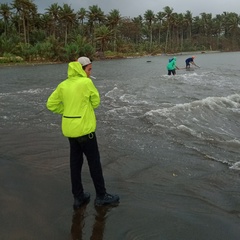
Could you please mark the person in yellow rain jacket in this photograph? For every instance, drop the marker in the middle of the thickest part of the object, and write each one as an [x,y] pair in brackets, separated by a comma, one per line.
[75,99]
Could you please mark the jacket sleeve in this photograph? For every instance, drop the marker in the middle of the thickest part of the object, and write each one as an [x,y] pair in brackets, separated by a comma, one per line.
[94,97]
[54,103]
[174,64]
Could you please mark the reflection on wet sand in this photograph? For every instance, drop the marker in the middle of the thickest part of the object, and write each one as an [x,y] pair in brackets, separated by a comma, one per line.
[78,222]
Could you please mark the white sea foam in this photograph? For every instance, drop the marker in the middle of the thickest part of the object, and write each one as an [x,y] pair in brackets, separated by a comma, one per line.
[131,99]
[28,91]
[232,101]
[115,92]
[189,130]
[235,166]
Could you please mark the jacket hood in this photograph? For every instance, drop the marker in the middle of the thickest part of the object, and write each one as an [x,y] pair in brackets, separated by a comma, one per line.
[75,70]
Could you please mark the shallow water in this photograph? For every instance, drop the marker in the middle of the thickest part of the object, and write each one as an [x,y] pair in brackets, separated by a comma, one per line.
[169,147]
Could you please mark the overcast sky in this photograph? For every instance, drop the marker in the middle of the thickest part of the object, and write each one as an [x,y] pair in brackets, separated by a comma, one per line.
[133,8]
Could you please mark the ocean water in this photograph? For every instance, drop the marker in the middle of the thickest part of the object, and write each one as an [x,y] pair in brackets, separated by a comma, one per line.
[159,135]
[198,110]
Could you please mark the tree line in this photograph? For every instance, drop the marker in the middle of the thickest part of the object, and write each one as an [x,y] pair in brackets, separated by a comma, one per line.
[63,34]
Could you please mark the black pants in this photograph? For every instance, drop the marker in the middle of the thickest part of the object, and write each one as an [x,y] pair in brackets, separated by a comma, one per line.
[86,145]
[173,72]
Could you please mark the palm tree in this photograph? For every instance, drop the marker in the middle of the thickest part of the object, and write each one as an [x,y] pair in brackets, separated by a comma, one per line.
[159,17]
[232,23]
[174,32]
[81,14]
[149,18]
[53,12]
[178,24]
[206,22]
[224,18]
[138,23]
[26,10]
[217,29]
[5,11]
[95,15]
[188,19]
[168,17]
[113,21]
[104,35]
[206,29]
[68,18]
[46,24]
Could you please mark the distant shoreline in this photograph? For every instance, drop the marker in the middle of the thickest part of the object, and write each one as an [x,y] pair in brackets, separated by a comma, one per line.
[33,63]
[190,53]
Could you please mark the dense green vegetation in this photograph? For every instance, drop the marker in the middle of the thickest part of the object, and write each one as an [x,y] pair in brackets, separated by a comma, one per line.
[63,34]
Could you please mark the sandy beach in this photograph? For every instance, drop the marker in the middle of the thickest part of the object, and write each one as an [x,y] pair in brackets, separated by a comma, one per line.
[37,204]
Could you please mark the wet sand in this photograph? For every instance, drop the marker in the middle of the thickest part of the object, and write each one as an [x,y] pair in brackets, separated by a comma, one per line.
[157,202]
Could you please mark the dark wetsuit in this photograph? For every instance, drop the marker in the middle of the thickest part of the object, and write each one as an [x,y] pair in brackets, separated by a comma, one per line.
[188,60]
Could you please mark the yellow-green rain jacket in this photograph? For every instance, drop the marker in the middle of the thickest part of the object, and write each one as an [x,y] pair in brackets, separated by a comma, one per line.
[75,98]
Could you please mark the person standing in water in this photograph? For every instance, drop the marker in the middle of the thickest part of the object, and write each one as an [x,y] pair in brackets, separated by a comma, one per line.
[171,66]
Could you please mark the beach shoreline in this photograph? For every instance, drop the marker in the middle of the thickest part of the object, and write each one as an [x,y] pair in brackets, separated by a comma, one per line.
[113,57]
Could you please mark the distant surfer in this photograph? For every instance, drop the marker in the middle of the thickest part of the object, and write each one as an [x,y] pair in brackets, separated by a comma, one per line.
[171,66]
[190,61]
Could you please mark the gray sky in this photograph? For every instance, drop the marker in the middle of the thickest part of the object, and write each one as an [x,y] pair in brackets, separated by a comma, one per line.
[133,8]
